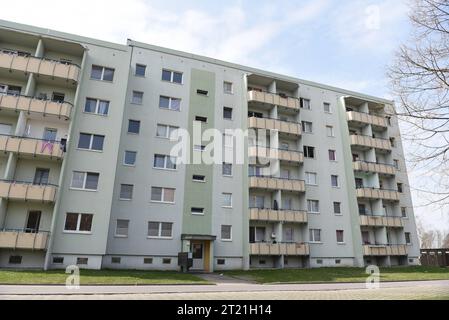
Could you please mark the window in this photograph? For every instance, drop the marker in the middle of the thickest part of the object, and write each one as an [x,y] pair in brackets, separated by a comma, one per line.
[137,97]
[227,113]
[305,104]
[58,260]
[226,233]
[257,202]
[327,107]
[404,212]
[121,228]
[198,178]
[159,194]
[171,76]
[140,70]
[85,180]
[15,259]
[147,260]
[89,141]
[116,260]
[164,162]
[50,134]
[82,261]
[58,97]
[253,114]
[227,169]
[313,206]
[396,164]
[309,152]
[355,157]
[311,178]
[133,126]
[202,92]
[307,126]
[400,188]
[126,191]
[167,132]
[197,211]
[169,103]
[334,181]
[160,229]
[227,87]
[337,207]
[166,261]
[393,142]
[388,120]
[340,236]
[41,176]
[408,239]
[201,119]
[315,235]
[227,200]
[102,73]
[330,131]
[96,106]
[332,155]
[288,234]
[337,261]
[257,234]
[130,158]
[287,203]
[362,208]
[359,183]
[78,222]
[221,262]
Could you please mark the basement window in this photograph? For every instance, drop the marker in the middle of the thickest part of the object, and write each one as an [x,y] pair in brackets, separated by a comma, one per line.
[166,261]
[58,260]
[116,260]
[15,259]
[197,211]
[201,119]
[221,262]
[198,178]
[82,261]
[148,260]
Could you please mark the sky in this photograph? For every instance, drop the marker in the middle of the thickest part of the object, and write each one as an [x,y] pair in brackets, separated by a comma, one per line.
[348,44]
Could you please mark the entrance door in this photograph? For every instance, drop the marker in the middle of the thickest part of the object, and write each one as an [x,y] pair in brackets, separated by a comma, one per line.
[34,219]
[198,256]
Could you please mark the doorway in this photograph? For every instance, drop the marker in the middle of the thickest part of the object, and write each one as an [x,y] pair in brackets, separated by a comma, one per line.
[33,222]
[198,255]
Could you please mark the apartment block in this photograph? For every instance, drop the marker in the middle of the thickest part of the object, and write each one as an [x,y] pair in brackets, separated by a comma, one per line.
[308,175]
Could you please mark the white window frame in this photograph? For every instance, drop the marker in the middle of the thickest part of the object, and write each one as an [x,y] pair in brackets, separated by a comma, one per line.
[324,107]
[91,141]
[310,207]
[230,233]
[172,72]
[116,227]
[78,223]
[132,97]
[224,87]
[309,104]
[307,125]
[124,158]
[167,131]
[232,113]
[338,181]
[170,103]
[224,195]
[330,131]
[333,207]
[163,195]
[313,240]
[84,181]
[159,236]
[166,159]
[343,235]
[232,170]
[334,152]
[120,192]
[145,71]
[102,73]
[308,175]
[97,107]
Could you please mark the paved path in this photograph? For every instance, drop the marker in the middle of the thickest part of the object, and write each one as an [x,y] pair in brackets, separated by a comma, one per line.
[228,289]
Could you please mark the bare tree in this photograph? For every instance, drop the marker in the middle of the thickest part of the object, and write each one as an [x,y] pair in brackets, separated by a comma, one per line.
[420,82]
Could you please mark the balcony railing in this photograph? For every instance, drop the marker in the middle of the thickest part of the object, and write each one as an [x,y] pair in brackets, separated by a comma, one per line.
[385,250]
[276,183]
[370,142]
[277,249]
[274,99]
[287,127]
[33,105]
[367,118]
[40,66]
[31,146]
[381,221]
[271,215]
[273,153]
[381,168]
[373,193]
[27,191]
[23,239]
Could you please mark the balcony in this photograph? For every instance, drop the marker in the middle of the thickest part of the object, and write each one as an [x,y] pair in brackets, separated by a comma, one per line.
[372,193]
[277,249]
[31,146]
[275,183]
[19,103]
[366,118]
[367,142]
[270,215]
[385,250]
[25,191]
[274,99]
[381,221]
[39,66]
[286,127]
[276,154]
[381,168]
[20,239]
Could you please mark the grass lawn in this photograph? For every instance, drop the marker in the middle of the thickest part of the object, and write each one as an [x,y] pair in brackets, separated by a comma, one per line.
[341,274]
[100,277]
